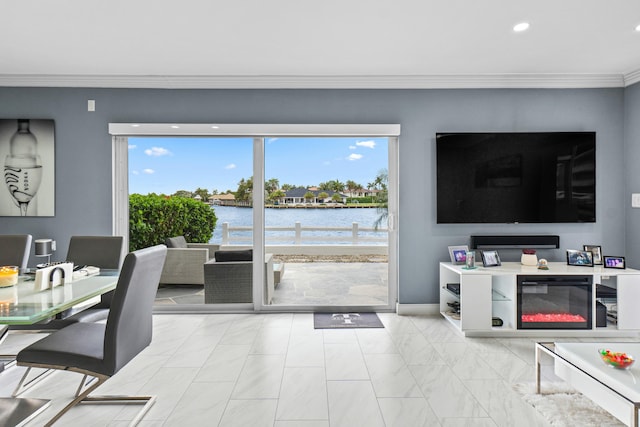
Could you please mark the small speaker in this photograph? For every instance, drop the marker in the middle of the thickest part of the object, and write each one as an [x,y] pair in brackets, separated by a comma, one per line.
[515,242]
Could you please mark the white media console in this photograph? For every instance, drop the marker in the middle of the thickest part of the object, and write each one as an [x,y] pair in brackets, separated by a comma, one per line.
[485,293]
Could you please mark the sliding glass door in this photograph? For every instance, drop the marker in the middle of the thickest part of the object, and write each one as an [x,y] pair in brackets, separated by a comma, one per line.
[324,231]
[325,219]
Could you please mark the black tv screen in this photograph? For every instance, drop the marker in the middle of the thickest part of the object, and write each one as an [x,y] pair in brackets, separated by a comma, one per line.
[542,177]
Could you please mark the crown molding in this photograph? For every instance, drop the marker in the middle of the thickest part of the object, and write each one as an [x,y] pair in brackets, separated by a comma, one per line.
[484,81]
[631,78]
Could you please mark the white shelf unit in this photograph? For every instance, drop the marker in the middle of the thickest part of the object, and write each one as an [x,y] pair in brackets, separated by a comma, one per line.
[492,292]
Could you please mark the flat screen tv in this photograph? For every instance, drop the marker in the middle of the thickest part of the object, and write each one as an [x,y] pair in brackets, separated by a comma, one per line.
[541,177]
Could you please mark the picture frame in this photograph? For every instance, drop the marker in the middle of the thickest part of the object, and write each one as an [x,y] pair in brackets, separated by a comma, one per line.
[458,254]
[579,258]
[615,262]
[29,183]
[596,250]
[491,259]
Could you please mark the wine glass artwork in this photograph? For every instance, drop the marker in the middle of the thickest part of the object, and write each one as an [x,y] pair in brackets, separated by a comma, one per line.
[22,167]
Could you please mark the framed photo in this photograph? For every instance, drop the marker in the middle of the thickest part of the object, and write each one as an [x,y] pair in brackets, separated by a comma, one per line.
[581,258]
[490,259]
[458,254]
[596,251]
[614,262]
[27,153]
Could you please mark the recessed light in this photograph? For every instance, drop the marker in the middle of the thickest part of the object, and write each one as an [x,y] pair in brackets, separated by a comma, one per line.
[523,26]
[135,126]
[215,127]
[175,127]
[638,28]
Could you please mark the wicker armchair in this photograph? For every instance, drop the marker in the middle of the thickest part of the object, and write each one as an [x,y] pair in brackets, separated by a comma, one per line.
[183,265]
[232,281]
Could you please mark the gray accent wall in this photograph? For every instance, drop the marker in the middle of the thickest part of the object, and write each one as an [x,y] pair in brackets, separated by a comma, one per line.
[83,154]
[632,173]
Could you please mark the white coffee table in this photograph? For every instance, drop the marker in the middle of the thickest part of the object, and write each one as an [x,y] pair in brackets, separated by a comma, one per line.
[579,364]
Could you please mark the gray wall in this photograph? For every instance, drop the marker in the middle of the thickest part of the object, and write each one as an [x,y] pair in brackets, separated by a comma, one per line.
[83,150]
[632,177]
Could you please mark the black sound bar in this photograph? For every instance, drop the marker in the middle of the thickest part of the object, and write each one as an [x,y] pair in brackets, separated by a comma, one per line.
[515,242]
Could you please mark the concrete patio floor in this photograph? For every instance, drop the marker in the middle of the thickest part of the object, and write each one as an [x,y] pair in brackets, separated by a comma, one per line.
[314,283]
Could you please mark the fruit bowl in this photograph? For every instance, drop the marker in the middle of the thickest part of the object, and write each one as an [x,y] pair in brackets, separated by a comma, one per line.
[619,360]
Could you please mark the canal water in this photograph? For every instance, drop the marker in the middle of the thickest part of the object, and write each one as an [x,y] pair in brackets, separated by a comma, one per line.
[308,217]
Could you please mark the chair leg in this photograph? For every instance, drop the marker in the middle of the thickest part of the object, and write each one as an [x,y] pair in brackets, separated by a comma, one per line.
[78,399]
[25,385]
[85,398]
[82,382]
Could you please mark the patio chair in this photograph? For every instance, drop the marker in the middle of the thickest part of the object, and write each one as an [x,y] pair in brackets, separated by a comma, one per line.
[185,260]
[14,249]
[100,350]
[229,278]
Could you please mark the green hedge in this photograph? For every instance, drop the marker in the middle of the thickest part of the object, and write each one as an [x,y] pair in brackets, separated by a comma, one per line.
[367,199]
[153,218]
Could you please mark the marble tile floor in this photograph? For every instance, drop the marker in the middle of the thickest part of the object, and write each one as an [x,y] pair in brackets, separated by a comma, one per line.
[317,283]
[276,370]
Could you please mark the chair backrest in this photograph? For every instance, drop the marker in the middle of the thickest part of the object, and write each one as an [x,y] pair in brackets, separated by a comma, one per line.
[176,242]
[129,325]
[97,251]
[15,249]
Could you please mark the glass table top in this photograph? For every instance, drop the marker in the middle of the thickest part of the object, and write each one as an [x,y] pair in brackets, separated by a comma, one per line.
[22,304]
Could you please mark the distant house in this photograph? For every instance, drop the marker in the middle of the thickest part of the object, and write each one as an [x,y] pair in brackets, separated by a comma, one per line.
[362,192]
[296,195]
[222,199]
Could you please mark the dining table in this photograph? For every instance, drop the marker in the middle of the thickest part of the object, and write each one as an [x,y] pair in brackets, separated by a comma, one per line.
[26,304]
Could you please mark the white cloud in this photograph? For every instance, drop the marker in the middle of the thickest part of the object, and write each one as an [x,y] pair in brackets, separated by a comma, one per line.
[326,163]
[132,146]
[157,151]
[352,147]
[230,166]
[135,172]
[354,156]
[368,144]
[148,171]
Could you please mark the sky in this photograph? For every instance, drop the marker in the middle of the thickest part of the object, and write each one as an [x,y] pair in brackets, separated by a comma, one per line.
[164,165]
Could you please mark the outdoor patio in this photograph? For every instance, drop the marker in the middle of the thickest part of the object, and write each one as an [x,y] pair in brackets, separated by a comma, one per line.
[308,283]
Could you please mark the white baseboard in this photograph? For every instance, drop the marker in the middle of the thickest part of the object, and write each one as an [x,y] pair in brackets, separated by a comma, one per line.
[418,309]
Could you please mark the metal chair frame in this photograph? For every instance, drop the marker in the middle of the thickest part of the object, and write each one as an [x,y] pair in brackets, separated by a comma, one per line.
[83,396]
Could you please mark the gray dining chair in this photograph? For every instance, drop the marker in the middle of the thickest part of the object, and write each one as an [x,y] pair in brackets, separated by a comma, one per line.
[4,331]
[14,249]
[104,252]
[100,350]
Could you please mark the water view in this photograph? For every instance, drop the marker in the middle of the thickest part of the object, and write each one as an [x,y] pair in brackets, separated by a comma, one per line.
[287,217]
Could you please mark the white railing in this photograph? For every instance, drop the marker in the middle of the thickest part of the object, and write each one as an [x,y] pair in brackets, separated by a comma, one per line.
[299,235]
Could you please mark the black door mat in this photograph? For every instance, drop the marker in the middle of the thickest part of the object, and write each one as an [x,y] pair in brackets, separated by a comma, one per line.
[346,320]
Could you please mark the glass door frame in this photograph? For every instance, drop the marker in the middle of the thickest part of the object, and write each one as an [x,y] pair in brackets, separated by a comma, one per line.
[120,133]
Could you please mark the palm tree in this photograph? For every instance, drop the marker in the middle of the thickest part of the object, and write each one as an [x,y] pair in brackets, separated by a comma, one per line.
[352,186]
[271,185]
[323,196]
[203,193]
[309,196]
[382,207]
[276,195]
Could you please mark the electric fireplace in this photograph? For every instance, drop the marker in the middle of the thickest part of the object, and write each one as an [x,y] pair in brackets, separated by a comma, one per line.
[555,302]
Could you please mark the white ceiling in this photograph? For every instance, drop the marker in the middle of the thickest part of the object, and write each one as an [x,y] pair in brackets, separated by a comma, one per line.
[328,43]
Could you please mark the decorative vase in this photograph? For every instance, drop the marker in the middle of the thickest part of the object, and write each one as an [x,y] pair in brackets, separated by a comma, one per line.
[529,259]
